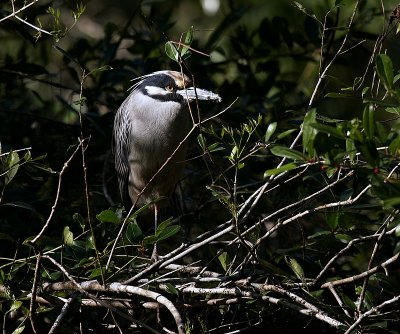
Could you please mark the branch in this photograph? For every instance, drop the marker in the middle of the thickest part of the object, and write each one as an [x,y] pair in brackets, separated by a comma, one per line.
[365,274]
[15,12]
[375,309]
[84,287]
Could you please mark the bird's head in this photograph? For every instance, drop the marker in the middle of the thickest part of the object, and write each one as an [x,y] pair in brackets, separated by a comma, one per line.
[172,86]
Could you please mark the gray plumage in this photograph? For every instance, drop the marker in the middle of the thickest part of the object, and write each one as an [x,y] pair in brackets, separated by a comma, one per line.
[149,126]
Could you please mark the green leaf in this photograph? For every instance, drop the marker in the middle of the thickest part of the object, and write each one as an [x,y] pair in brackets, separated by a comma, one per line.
[19,330]
[145,207]
[11,165]
[397,230]
[97,272]
[53,275]
[279,170]
[163,226]
[338,95]
[164,231]
[285,134]
[133,232]
[396,78]
[202,142]
[15,305]
[384,68]
[364,91]
[234,153]
[394,145]
[286,152]
[351,149]
[393,110]
[348,302]
[186,55]
[223,260]
[296,267]
[171,51]
[381,132]
[168,232]
[391,203]
[309,132]
[108,216]
[379,102]
[88,243]
[100,69]
[215,147]
[330,130]
[332,220]
[171,289]
[188,39]
[68,236]
[149,240]
[369,121]
[270,131]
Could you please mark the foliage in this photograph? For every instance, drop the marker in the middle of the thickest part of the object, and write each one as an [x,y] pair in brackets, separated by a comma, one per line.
[288,214]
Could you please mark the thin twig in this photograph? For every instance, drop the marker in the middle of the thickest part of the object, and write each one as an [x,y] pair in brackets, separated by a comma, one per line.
[53,208]
[15,12]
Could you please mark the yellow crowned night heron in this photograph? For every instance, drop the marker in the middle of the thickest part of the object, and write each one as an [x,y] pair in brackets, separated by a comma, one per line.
[149,127]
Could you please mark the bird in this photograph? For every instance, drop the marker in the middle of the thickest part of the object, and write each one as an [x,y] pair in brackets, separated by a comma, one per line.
[149,137]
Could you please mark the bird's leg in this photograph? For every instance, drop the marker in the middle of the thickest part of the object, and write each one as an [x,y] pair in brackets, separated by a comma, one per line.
[154,255]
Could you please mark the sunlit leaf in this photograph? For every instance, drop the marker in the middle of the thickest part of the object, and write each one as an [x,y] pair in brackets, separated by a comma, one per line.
[15,305]
[19,330]
[279,170]
[393,110]
[188,39]
[108,216]
[164,231]
[171,51]
[202,142]
[328,129]
[223,260]
[68,236]
[286,152]
[296,267]
[11,165]
[270,131]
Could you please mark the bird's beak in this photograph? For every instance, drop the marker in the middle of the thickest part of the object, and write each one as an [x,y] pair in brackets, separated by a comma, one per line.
[191,94]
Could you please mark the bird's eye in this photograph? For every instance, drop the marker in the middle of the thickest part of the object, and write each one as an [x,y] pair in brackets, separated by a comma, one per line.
[169,88]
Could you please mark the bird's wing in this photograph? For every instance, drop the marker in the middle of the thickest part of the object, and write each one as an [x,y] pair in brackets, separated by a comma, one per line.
[120,149]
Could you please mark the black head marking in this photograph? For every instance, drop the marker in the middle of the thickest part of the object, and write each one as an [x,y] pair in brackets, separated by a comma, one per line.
[165,82]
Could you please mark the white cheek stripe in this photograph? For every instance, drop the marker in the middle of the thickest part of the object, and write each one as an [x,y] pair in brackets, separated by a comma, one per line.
[153,90]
